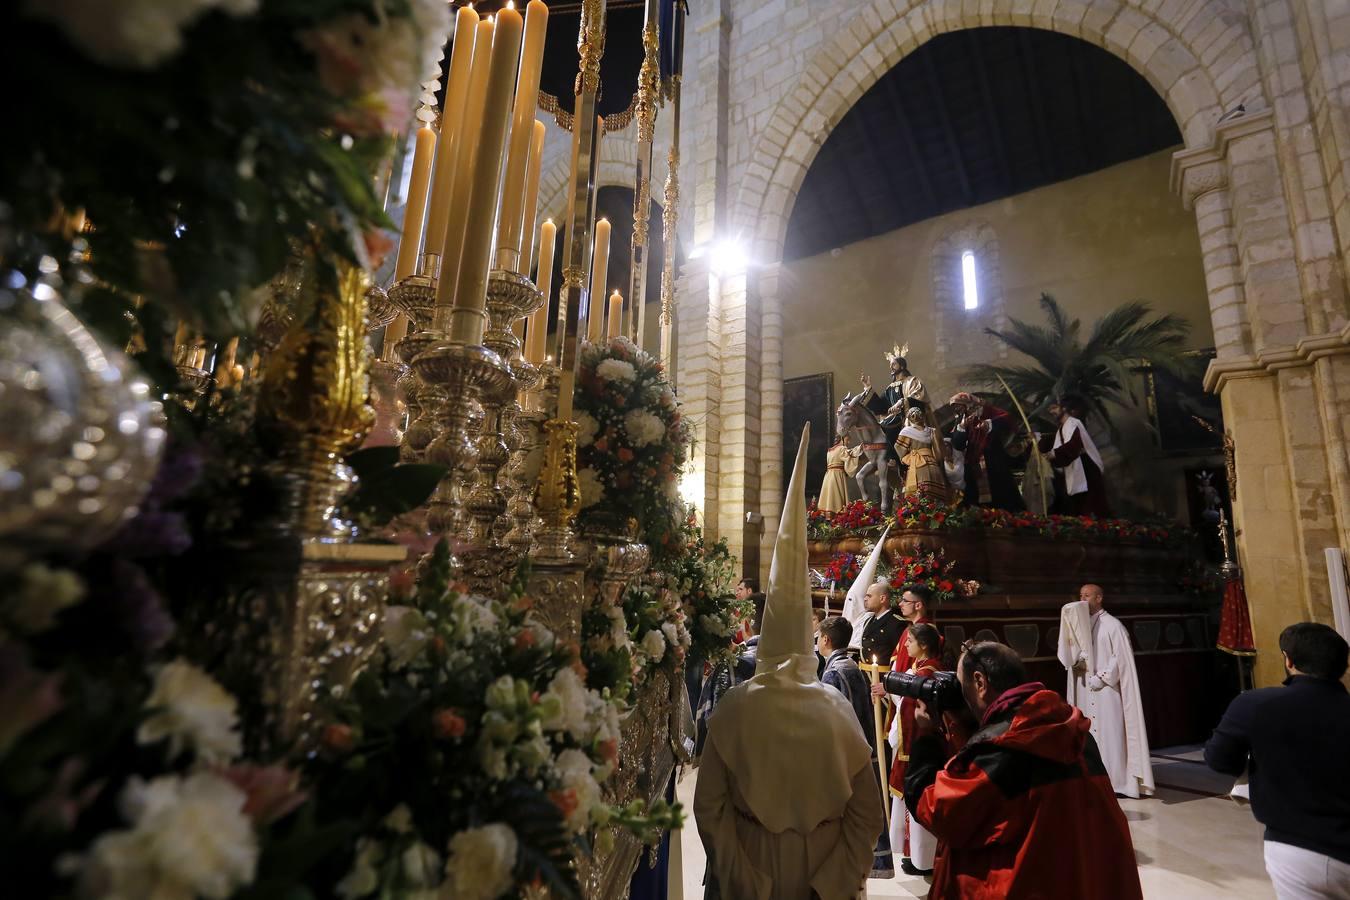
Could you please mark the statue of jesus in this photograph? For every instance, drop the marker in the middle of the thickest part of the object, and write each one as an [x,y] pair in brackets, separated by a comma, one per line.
[905,392]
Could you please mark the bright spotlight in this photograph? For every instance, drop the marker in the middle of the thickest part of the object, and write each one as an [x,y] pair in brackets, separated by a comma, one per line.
[691,489]
[729,258]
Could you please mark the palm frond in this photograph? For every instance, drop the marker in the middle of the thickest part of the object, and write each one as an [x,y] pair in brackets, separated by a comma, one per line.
[1064,327]
[1042,345]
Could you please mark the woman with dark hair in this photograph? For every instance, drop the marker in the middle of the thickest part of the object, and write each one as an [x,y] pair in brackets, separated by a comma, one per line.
[909,839]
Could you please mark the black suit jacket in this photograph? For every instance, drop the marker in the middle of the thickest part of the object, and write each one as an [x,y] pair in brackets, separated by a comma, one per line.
[880,637]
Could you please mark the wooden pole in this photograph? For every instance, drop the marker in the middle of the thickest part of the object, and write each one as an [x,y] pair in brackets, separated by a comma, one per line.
[874,671]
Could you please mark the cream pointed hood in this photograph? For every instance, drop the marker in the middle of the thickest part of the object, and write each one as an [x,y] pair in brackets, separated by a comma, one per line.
[853,602]
[787,611]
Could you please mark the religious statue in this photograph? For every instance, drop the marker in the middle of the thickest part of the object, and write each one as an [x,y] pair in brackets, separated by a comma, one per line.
[1080,488]
[984,433]
[892,405]
[922,456]
[853,418]
[834,488]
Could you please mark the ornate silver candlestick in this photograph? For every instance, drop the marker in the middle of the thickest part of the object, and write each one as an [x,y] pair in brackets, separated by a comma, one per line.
[416,297]
[526,428]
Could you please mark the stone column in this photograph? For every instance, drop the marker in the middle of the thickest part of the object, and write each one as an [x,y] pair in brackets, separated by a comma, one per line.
[698,310]
[766,283]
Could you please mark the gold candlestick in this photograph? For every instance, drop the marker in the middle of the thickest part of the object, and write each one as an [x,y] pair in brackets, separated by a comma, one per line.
[874,671]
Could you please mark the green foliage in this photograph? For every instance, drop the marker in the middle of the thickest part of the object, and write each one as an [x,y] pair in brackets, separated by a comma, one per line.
[1099,369]
[385,489]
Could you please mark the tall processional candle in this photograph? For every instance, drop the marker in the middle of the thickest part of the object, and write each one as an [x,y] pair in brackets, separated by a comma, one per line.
[538,332]
[595,305]
[424,149]
[461,171]
[615,323]
[452,131]
[511,236]
[468,318]
[528,242]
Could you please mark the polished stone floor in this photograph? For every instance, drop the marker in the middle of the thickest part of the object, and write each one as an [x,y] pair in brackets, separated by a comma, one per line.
[1191,841]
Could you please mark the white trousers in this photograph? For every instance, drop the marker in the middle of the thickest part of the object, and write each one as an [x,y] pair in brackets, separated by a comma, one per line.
[1300,874]
[922,844]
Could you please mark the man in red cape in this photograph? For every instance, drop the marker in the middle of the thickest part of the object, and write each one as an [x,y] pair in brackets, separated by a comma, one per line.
[1025,809]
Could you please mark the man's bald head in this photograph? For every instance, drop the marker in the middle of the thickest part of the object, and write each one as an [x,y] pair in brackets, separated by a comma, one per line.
[878,597]
[1093,595]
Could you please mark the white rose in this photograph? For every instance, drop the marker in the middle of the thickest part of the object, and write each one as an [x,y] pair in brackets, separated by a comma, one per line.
[574,770]
[132,33]
[569,712]
[667,397]
[643,428]
[587,429]
[190,709]
[480,863]
[592,490]
[406,634]
[43,592]
[616,370]
[654,645]
[189,838]
[471,615]
[672,633]
[421,866]
[618,626]
[363,879]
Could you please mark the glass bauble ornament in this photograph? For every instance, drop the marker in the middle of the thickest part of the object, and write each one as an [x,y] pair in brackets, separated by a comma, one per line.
[83,433]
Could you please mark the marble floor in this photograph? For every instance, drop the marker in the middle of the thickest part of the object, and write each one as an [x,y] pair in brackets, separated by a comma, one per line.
[1191,841]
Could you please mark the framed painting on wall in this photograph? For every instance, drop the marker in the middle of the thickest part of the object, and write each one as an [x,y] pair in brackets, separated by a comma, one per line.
[1175,404]
[809,398]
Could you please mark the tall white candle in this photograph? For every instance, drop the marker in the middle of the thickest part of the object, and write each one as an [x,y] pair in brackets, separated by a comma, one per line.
[452,117]
[538,332]
[511,232]
[415,210]
[599,273]
[528,242]
[471,289]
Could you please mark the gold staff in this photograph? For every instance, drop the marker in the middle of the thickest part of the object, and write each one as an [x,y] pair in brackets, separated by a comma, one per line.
[874,672]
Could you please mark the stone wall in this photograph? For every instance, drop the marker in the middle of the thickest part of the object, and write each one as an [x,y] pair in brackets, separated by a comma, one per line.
[766,81]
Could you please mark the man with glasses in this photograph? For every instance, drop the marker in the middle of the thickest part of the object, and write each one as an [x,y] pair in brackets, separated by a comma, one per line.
[1025,808]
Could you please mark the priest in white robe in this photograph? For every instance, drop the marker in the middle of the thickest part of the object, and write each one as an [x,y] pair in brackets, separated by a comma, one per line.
[1095,649]
[787,802]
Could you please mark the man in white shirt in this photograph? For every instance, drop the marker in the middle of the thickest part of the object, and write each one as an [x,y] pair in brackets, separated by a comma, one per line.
[1103,683]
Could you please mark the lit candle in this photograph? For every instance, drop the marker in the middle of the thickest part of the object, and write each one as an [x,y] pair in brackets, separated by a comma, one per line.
[599,270]
[527,249]
[452,118]
[413,213]
[461,172]
[615,315]
[512,229]
[471,288]
[538,332]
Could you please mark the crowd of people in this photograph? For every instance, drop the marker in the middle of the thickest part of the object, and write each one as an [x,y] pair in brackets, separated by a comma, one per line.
[983,780]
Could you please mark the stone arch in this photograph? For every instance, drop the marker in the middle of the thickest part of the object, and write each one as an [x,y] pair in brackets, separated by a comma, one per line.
[1200,60]
[618,166]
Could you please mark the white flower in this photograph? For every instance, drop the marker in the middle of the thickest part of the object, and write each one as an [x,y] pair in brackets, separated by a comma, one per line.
[43,592]
[592,490]
[406,634]
[616,370]
[587,429]
[191,710]
[543,638]
[131,33]
[654,645]
[471,615]
[667,396]
[363,879]
[480,863]
[501,694]
[574,770]
[672,633]
[643,428]
[618,626]
[421,866]
[189,838]
[566,702]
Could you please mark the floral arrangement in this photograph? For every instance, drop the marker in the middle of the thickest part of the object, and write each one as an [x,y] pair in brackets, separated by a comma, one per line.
[211,134]
[842,570]
[631,443]
[625,641]
[859,517]
[702,575]
[473,756]
[933,569]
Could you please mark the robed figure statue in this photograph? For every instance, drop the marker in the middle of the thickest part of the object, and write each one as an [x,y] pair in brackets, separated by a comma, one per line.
[891,405]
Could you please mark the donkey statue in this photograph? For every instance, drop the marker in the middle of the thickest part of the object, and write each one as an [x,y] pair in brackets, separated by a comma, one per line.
[853,420]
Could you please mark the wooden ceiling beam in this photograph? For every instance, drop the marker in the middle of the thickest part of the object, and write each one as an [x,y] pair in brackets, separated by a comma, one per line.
[1040,126]
[991,120]
[945,121]
[906,129]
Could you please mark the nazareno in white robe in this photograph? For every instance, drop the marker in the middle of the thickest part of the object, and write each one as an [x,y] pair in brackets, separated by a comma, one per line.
[1115,710]
[786,801]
